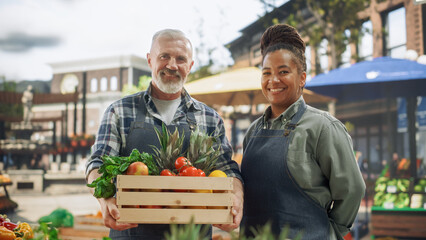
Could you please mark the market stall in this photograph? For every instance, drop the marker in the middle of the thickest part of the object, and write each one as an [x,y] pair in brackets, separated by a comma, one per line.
[387,78]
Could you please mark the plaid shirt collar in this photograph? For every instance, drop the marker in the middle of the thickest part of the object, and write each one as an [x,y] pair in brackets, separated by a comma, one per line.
[186,99]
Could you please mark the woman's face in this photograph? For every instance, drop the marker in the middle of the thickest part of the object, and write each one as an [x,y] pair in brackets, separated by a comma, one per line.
[281,81]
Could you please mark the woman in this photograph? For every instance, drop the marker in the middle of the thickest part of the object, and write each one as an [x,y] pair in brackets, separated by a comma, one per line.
[298,166]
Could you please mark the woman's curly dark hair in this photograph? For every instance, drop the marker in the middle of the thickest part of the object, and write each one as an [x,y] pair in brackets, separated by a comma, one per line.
[283,36]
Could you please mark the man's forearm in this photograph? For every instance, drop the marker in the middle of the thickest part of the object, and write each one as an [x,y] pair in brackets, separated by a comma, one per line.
[93,175]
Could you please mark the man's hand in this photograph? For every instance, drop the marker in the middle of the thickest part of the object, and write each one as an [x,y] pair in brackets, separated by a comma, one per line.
[237,209]
[111,214]
[109,209]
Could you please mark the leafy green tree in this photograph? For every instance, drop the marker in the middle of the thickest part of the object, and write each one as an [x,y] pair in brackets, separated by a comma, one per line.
[11,110]
[318,19]
[142,86]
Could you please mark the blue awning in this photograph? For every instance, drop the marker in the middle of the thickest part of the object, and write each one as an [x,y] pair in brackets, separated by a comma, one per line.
[379,78]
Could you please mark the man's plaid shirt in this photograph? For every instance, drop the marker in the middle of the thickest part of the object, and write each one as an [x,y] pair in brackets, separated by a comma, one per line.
[115,127]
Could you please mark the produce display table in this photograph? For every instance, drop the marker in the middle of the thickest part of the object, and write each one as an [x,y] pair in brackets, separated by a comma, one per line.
[86,227]
[398,222]
[6,203]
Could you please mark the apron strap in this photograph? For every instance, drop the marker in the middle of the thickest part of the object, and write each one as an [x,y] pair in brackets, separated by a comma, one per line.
[293,123]
[289,127]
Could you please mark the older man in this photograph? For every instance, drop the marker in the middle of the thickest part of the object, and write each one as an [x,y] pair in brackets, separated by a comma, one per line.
[165,102]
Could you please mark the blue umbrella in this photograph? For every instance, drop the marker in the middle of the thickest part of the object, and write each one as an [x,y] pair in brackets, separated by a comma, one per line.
[380,78]
[383,77]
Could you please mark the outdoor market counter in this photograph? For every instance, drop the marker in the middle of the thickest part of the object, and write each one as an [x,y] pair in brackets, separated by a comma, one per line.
[398,222]
[6,203]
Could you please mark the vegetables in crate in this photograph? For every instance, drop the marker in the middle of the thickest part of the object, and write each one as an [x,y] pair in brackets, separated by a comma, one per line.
[116,165]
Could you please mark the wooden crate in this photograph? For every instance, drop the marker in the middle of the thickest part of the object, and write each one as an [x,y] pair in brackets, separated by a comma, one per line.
[79,234]
[399,223]
[137,194]
[89,223]
[85,228]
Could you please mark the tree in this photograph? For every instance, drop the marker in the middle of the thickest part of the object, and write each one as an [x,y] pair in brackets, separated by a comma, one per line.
[204,70]
[142,86]
[318,19]
[10,110]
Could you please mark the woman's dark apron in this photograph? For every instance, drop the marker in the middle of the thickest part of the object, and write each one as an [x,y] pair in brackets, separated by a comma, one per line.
[271,194]
[141,136]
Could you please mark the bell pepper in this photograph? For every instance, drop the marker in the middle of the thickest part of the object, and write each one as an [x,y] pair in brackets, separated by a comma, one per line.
[6,234]
[24,231]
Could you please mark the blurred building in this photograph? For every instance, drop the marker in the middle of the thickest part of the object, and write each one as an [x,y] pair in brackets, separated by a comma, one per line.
[98,81]
[391,27]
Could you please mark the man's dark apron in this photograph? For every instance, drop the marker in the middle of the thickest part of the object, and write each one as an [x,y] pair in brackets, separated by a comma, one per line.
[141,136]
[270,191]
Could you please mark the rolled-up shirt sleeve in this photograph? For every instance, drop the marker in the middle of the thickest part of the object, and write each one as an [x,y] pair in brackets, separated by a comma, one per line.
[225,162]
[108,140]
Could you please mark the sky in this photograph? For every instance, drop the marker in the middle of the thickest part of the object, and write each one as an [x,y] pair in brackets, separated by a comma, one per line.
[36,33]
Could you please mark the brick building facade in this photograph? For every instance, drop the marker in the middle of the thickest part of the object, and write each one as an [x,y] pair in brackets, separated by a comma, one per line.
[101,79]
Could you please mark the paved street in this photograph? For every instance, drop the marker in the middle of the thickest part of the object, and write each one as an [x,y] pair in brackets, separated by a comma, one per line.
[74,198]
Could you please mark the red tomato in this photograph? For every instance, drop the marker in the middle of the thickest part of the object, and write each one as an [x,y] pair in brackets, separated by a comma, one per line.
[10,225]
[201,173]
[190,172]
[167,172]
[182,163]
[150,206]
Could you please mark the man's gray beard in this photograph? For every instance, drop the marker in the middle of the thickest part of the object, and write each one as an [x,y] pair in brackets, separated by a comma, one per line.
[170,87]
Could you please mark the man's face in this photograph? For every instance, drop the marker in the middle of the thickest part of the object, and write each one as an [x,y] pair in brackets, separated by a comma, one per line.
[170,61]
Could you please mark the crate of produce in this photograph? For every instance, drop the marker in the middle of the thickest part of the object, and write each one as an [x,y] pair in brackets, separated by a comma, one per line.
[174,199]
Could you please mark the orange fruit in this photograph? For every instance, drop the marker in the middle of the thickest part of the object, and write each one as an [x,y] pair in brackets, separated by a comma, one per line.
[217,173]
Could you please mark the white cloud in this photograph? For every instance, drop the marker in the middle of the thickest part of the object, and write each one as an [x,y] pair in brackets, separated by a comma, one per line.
[94,28]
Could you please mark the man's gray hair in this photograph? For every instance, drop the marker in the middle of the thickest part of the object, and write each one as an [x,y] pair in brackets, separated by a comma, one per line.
[172,34]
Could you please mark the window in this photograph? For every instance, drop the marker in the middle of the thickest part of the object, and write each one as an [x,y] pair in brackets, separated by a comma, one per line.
[104,84]
[114,83]
[308,63]
[94,85]
[257,53]
[323,56]
[396,37]
[346,55]
[365,46]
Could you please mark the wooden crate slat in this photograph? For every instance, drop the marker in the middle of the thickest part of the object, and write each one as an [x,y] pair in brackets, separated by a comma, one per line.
[171,182]
[174,199]
[71,233]
[387,221]
[79,219]
[399,232]
[91,227]
[181,216]
[403,225]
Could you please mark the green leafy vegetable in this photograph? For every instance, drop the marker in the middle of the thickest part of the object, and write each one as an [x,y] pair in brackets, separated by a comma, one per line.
[46,231]
[60,217]
[116,165]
